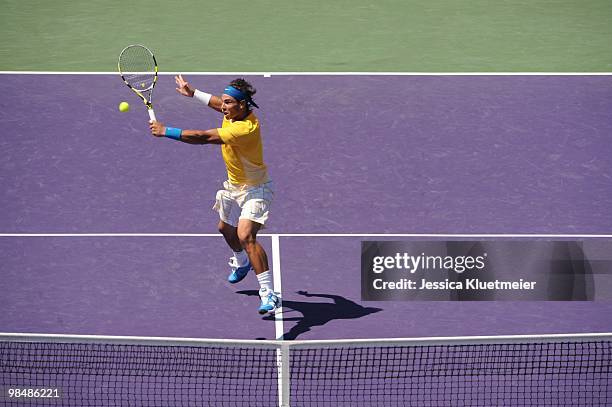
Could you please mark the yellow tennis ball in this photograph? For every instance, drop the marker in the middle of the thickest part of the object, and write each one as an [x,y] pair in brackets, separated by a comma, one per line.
[124,106]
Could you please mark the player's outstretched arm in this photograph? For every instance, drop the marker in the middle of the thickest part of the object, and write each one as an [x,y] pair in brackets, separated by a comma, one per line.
[183,87]
[186,136]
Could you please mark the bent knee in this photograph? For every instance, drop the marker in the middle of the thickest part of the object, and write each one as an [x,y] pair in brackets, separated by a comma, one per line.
[246,239]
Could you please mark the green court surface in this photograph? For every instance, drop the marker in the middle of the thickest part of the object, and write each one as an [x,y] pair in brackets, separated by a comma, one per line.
[310,36]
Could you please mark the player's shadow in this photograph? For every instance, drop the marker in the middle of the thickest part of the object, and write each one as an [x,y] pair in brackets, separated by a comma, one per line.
[316,313]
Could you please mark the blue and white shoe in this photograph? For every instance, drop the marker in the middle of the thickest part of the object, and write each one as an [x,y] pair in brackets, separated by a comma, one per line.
[269,301]
[238,273]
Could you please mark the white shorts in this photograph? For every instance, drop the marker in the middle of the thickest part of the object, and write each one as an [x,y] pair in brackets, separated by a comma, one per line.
[236,202]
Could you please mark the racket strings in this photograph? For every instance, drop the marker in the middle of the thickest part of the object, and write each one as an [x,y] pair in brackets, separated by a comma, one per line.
[137,66]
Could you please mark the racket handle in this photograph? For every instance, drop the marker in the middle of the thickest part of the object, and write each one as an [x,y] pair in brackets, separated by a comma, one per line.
[152,115]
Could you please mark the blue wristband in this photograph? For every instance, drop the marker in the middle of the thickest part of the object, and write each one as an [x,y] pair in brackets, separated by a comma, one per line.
[173,133]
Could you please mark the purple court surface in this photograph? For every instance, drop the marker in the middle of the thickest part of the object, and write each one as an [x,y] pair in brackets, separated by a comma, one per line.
[347,154]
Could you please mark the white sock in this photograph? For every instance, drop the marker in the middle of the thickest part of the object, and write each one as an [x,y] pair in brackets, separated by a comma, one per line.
[242,258]
[265,280]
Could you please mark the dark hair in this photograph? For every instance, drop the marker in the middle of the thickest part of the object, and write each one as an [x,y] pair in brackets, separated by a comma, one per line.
[243,86]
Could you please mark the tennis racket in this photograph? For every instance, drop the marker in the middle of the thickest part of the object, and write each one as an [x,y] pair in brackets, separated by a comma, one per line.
[138,69]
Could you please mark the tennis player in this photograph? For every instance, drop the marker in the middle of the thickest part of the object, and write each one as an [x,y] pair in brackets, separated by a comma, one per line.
[244,202]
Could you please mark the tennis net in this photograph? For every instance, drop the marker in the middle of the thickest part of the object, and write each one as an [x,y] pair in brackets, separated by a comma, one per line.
[553,370]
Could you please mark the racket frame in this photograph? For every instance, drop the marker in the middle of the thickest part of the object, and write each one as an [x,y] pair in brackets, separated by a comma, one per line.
[148,102]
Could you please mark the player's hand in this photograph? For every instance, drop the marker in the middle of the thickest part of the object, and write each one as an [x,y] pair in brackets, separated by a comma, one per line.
[157,129]
[183,86]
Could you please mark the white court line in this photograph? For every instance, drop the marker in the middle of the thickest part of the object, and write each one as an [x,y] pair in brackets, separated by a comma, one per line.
[112,235]
[267,74]
[487,235]
[282,354]
[276,275]
[520,235]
